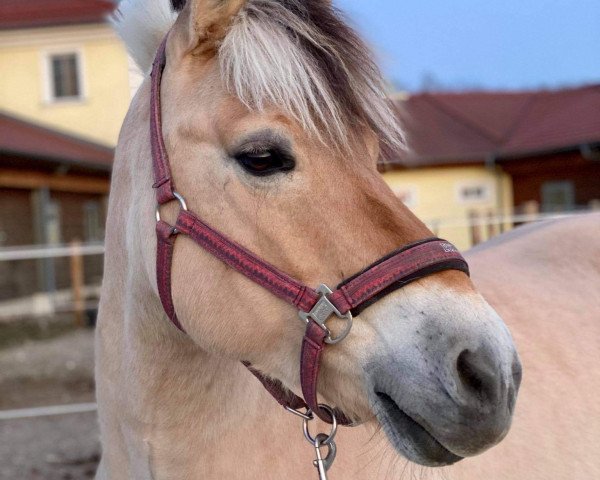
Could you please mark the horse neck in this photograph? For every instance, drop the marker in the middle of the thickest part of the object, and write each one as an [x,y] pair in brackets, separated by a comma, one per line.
[158,392]
[154,385]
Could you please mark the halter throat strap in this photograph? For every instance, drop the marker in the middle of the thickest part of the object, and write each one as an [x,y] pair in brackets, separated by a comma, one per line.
[393,271]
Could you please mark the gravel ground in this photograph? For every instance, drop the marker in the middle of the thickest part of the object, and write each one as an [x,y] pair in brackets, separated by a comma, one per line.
[40,373]
[50,448]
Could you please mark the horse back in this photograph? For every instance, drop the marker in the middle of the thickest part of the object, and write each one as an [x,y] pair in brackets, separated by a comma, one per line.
[544,280]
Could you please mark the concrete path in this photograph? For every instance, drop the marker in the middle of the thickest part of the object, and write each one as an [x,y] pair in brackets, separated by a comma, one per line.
[37,442]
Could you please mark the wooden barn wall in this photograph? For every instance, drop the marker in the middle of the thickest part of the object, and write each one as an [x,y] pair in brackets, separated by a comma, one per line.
[530,174]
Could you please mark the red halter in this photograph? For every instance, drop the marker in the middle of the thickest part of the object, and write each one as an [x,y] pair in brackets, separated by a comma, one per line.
[393,271]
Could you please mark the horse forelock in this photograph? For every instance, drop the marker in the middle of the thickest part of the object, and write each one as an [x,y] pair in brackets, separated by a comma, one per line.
[303,57]
[299,55]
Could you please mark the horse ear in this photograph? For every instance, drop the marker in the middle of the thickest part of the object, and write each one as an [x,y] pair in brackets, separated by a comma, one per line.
[207,22]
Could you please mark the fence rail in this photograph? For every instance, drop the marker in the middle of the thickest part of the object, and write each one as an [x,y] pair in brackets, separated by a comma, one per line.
[77,298]
[81,298]
[479,226]
[37,252]
[483,221]
[48,411]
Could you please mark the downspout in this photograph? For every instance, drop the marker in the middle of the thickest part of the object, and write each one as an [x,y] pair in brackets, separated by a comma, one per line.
[491,165]
[589,153]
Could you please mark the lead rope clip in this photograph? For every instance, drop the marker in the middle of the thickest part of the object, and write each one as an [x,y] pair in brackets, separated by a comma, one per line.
[321,463]
[324,464]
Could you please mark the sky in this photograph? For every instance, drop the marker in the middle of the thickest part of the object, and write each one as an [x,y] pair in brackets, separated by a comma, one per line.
[479,44]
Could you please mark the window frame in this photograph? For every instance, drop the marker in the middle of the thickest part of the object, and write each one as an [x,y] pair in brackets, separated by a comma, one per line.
[53,222]
[48,75]
[565,187]
[488,189]
[93,221]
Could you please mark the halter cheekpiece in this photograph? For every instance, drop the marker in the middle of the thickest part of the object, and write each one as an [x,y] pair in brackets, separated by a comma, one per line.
[315,307]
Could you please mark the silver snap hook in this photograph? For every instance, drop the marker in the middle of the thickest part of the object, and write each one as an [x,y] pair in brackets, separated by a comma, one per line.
[321,463]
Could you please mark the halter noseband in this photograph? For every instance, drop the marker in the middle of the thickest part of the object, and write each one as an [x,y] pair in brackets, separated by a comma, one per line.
[315,307]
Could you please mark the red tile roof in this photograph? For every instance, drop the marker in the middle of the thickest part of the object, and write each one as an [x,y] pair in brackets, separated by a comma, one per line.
[18,137]
[447,128]
[44,13]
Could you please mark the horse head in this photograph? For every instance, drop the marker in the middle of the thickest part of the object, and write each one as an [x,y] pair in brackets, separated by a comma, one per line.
[275,118]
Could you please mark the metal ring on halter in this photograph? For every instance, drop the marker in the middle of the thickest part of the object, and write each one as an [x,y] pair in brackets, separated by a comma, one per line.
[308,415]
[332,433]
[181,201]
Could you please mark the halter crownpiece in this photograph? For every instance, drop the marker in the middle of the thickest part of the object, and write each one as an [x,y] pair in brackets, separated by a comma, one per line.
[315,307]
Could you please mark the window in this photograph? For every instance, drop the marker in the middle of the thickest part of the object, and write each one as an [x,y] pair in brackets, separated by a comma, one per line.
[64,76]
[475,192]
[52,222]
[558,196]
[94,224]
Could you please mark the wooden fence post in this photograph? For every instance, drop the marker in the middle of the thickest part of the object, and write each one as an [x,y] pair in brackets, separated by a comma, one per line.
[491,224]
[77,282]
[531,207]
[475,228]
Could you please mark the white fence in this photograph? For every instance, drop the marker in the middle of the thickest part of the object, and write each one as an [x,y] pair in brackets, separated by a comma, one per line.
[468,231]
[79,297]
[76,299]
[35,252]
[497,220]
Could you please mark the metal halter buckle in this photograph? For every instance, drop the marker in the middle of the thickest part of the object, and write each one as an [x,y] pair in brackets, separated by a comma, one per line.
[322,310]
[179,198]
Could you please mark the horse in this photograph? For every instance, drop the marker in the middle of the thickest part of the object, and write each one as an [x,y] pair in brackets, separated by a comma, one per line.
[274,118]
[544,279]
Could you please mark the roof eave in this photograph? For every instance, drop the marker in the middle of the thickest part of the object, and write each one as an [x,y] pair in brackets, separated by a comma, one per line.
[31,26]
[88,164]
[541,152]
[417,162]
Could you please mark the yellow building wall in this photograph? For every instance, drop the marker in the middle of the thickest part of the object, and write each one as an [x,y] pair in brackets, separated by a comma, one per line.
[433,194]
[105,80]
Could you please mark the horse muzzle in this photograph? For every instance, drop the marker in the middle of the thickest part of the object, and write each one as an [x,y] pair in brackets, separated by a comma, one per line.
[442,388]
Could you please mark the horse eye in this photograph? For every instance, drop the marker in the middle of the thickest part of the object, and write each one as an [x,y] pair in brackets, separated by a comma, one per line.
[265,163]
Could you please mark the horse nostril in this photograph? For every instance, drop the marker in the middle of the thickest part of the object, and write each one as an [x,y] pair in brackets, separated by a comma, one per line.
[517,373]
[476,373]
